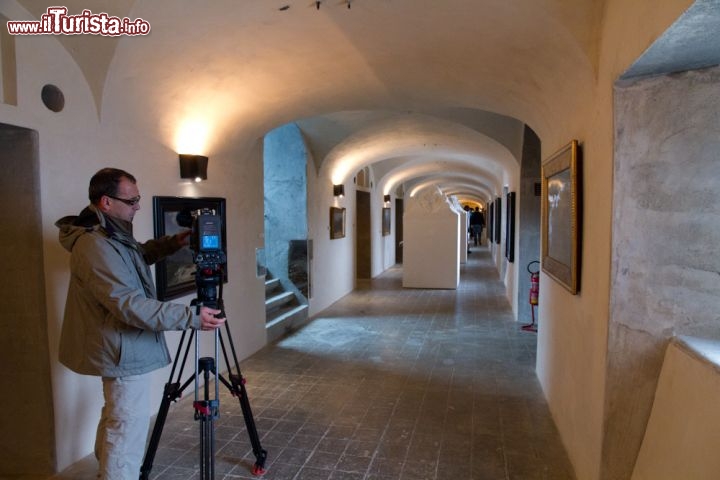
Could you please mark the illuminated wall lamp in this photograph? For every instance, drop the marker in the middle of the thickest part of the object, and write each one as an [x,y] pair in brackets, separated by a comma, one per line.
[386,198]
[193,167]
[339,190]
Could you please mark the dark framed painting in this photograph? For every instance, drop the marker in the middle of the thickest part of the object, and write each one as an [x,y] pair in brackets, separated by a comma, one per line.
[510,227]
[386,221]
[337,223]
[175,275]
[560,220]
[490,221]
[498,220]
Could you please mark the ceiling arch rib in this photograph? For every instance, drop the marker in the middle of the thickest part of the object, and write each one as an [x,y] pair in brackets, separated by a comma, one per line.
[480,193]
[421,137]
[431,169]
[460,190]
[446,185]
[470,197]
[324,132]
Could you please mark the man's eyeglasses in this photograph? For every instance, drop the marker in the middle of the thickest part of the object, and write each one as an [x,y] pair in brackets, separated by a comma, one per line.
[127,201]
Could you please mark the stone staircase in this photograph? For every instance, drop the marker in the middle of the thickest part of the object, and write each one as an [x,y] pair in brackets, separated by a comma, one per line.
[284,312]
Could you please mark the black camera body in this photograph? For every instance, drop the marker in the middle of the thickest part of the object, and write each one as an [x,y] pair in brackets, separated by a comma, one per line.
[208,256]
[206,239]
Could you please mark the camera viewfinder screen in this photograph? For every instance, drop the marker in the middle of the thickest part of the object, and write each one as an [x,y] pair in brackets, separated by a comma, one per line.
[210,242]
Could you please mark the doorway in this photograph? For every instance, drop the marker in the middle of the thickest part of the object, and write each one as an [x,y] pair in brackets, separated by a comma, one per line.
[399,230]
[363,248]
[27,445]
[286,253]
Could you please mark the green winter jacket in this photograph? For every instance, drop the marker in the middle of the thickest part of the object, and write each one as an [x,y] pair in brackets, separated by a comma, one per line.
[113,323]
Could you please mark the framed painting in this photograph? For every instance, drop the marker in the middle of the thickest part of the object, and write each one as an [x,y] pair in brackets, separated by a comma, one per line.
[385,221]
[560,219]
[490,221]
[510,227]
[175,275]
[497,229]
[337,223]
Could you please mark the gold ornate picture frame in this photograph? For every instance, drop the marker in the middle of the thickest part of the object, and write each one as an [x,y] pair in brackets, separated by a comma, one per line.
[560,217]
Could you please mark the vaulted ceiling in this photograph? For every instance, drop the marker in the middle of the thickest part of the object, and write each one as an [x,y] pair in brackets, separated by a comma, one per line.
[425,92]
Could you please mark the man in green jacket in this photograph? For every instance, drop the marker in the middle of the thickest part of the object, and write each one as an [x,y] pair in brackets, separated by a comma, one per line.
[113,324]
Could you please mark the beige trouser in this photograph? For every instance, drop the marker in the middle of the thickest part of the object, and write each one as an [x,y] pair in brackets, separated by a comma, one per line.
[123,428]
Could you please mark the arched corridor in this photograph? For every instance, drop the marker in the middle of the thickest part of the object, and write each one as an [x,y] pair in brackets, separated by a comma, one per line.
[389,383]
[411,106]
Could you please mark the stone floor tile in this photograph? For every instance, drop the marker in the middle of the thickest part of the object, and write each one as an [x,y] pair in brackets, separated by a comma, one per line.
[386,384]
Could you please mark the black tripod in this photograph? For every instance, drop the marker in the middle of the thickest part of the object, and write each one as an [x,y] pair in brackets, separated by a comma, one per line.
[206,408]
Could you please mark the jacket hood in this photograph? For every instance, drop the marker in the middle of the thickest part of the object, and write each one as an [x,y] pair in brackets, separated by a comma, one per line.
[73,227]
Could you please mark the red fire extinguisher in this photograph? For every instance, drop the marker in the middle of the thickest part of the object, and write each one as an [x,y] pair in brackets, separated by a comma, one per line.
[534,294]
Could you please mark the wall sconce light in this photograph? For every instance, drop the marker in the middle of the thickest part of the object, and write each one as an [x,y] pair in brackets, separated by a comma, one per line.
[386,198]
[339,190]
[193,167]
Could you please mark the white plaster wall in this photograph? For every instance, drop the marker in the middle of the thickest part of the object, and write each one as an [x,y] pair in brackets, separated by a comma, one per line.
[463,218]
[388,241]
[498,250]
[384,258]
[382,249]
[683,432]
[333,263]
[528,213]
[512,270]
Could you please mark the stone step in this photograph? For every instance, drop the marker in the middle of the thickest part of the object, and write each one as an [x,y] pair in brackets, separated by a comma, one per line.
[271,285]
[279,300]
[286,321]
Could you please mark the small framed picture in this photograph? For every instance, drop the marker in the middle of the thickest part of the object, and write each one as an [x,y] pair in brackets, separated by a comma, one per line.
[337,222]
[386,221]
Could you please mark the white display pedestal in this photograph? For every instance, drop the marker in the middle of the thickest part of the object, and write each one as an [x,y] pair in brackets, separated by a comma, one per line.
[431,235]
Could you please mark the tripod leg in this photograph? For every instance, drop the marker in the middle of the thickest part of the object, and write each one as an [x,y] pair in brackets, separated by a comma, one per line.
[207,448]
[237,389]
[172,392]
[206,411]
[258,451]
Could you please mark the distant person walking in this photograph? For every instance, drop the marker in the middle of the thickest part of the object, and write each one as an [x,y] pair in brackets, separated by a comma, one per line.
[477,222]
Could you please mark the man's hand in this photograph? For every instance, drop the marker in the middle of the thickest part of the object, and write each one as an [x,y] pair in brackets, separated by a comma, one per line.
[208,320]
[183,237]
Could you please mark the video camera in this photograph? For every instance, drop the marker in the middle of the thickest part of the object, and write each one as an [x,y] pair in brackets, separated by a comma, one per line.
[206,243]
[208,254]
